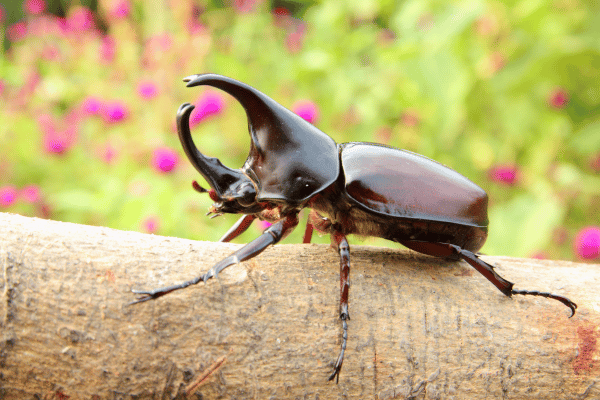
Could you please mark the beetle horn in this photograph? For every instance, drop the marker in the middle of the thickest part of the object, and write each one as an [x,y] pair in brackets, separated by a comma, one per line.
[224,180]
[290,159]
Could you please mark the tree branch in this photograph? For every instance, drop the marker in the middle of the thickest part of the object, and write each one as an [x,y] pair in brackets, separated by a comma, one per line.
[421,327]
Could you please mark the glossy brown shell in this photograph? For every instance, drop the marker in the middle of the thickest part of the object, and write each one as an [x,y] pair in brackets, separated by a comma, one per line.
[402,184]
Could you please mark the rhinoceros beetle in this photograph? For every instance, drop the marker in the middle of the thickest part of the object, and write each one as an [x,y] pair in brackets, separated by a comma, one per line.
[358,188]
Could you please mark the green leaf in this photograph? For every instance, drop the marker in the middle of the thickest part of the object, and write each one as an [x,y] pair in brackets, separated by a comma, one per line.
[587,139]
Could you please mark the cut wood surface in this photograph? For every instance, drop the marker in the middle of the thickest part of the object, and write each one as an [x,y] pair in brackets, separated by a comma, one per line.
[420,328]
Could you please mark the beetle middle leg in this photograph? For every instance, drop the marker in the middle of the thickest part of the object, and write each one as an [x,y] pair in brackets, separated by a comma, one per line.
[339,242]
[485,269]
[238,228]
[271,235]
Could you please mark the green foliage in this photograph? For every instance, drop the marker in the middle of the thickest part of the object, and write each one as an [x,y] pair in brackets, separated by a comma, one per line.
[474,84]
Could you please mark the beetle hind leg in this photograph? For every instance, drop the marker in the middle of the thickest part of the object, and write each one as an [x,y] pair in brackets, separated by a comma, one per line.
[339,242]
[485,269]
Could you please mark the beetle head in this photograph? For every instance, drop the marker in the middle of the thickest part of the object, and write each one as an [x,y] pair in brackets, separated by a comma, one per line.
[290,160]
[232,190]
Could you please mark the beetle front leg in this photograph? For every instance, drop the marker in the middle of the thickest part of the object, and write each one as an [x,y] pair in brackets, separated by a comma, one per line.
[271,235]
[339,242]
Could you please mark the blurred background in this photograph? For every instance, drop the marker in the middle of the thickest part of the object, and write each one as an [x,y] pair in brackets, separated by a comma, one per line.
[505,92]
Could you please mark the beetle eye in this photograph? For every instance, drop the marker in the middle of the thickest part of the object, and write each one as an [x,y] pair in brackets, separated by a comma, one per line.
[247,194]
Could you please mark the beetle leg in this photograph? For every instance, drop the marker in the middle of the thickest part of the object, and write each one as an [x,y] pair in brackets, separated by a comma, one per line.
[307,233]
[238,228]
[485,269]
[488,271]
[271,235]
[338,240]
[316,222]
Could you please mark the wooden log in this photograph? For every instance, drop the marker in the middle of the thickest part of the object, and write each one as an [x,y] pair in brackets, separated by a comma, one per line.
[421,327]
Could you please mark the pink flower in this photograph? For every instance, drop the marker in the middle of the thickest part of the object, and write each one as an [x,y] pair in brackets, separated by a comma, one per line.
[594,162]
[505,174]
[17,31]
[8,195]
[210,103]
[558,98]
[108,48]
[150,224]
[147,89]
[587,243]
[282,17]
[540,255]
[2,86]
[34,6]
[114,111]
[108,153]
[2,14]
[307,110]
[295,39]
[58,140]
[164,159]
[91,105]
[410,118]
[80,19]
[244,6]
[31,193]
[121,9]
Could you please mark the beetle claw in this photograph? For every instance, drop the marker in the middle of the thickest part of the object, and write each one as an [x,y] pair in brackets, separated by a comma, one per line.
[146,295]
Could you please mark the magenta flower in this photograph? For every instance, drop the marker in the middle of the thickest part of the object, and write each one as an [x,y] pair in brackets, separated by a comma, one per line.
[121,9]
[307,110]
[34,6]
[31,193]
[91,105]
[282,17]
[244,6]
[410,118]
[80,19]
[147,90]
[150,224]
[587,243]
[2,86]
[108,48]
[164,159]
[115,111]
[504,174]
[57,140]
[594,162]
[17,31]
[540,255]
[210,103]
[295,39]
[558,98]
[8,195]
[108,153]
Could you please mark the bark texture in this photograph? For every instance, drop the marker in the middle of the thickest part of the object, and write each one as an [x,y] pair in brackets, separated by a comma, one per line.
[420,328]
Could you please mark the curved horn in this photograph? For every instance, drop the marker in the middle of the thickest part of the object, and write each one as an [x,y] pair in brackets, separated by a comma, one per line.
[221,178]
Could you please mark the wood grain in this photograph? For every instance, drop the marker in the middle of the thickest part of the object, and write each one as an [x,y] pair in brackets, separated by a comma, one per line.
[420,327]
